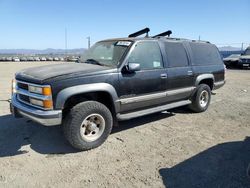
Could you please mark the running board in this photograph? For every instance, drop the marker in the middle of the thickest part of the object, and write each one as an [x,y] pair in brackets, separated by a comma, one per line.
[140,113]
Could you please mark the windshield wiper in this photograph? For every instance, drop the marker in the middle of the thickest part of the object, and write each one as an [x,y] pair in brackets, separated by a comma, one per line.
[93,61]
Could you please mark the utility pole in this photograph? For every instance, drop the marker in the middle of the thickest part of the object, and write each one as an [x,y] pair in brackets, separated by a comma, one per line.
[242,46]
[88,42]
[66,42]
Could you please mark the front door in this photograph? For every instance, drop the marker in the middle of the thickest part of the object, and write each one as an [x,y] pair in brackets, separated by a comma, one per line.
[143,88]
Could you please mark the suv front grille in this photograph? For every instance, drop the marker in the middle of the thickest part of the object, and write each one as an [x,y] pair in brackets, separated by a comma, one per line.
[23,98]
[23,86]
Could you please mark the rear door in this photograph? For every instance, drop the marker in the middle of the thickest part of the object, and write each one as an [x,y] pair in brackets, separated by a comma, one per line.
[180,74]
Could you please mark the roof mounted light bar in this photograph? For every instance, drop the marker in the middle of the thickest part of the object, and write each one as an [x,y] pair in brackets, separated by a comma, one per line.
[141,32]
[166,33]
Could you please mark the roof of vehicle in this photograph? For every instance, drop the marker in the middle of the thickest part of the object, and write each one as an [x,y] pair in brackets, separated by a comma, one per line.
[151,38]
[136,36]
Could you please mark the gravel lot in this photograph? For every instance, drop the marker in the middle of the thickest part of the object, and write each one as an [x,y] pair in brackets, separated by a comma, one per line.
[171,149]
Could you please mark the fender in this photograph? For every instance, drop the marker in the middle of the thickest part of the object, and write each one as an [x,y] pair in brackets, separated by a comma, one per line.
[203,77]
[66,93]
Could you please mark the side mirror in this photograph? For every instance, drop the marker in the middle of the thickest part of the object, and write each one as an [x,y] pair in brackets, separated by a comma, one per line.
[132,67]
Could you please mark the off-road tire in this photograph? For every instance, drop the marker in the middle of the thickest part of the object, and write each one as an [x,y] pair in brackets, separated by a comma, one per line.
[196,98]
[74,119]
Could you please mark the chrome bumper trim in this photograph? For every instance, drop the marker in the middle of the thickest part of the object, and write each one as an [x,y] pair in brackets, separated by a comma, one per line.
[47,118]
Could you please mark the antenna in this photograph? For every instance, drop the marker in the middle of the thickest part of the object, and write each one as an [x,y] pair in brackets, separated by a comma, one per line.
[141,32]
[166,33]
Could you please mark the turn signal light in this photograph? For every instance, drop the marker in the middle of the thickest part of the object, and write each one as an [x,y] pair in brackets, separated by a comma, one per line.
[48,104]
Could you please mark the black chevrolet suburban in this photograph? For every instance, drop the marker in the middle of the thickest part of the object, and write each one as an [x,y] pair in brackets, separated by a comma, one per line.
[118,79]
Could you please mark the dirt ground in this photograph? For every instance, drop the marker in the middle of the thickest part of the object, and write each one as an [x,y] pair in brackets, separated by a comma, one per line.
[171,149]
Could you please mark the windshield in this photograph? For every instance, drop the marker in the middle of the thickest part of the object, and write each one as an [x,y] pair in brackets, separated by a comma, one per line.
[247,52]
[106,53]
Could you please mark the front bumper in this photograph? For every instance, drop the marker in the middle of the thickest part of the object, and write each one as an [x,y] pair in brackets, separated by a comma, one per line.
[47,118]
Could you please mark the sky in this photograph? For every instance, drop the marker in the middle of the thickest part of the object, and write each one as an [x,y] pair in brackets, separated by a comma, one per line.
[40,24]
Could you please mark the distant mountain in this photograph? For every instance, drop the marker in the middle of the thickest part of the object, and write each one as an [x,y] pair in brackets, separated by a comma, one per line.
[45,51]
[229,48]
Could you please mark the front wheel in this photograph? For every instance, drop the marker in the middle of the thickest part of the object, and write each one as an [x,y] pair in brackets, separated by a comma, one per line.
[201,98]
[87,125]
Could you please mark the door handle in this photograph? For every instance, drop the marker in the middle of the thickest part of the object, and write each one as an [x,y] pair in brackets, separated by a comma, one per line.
[189,73]
[164,76]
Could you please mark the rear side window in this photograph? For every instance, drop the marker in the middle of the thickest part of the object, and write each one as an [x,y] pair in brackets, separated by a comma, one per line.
[205,54]
[176,54]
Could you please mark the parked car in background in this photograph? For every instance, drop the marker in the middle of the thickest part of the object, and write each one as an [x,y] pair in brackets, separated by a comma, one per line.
[232,60]
[56,59]
[9,59]
[2,58]
[30,58]
[23,59]
[49,59]
[72,59]
[36,59]
[244,61]
[42,58]
[15,59]
[238,60]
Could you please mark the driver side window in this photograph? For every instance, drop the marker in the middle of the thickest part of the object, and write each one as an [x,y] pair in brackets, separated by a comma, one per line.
[147,54]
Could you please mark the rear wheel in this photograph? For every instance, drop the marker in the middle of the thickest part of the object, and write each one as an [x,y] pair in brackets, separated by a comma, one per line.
[87,125]
[201,98]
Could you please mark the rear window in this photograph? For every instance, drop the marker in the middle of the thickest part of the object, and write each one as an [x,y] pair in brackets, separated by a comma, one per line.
[204,54]
[176,54]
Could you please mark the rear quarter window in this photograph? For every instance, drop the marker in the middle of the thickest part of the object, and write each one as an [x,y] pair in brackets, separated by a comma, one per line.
[176,54]
[205,54]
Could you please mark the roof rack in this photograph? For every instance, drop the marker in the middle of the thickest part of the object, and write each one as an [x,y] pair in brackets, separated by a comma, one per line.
[141,32]
[166,33]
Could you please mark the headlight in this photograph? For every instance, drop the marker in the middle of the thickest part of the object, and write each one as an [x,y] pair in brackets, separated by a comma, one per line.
[40,90]
[34,89]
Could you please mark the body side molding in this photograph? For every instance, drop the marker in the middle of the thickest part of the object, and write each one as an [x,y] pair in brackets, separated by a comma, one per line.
[153,96]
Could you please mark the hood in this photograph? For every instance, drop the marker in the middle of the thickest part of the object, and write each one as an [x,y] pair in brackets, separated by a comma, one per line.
[42,73]
[245,57]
